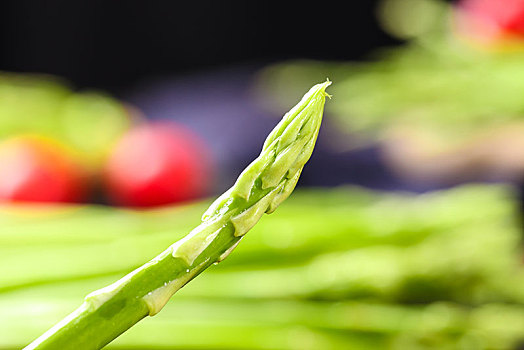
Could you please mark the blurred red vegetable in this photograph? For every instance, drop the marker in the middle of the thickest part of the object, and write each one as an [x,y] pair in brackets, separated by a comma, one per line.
[491,21]
[157,164]
[34,169]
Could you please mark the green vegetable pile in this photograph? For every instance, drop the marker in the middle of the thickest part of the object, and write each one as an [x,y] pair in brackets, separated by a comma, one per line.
[335,269]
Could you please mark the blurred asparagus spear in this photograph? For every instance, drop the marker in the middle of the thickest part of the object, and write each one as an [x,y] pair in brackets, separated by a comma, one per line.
[264,184]
[471,225]
[312,222]
[282,322]
[420,273]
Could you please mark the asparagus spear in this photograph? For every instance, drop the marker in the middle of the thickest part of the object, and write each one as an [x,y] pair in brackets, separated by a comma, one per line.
[241,323]
[262,186]
[312,222]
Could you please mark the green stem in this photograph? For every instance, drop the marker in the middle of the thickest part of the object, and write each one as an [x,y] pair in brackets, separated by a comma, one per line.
[110,311]
[261,187]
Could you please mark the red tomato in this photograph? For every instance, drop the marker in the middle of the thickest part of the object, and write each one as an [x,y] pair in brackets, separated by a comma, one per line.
[38,170]
[156,164]
[492,20]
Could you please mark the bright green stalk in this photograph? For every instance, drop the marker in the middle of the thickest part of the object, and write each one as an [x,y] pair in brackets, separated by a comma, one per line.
[322,221]
[262,186]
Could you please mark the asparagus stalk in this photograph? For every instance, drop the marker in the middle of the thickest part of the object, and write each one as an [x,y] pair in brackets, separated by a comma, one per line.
[240,323]
[262,186]
[312,221]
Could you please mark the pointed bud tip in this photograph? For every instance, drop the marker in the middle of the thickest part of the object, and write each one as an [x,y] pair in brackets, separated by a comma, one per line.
[323,86]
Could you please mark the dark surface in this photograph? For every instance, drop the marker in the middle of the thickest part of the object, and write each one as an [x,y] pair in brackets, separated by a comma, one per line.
[521,207]
[114,44]
[192,61]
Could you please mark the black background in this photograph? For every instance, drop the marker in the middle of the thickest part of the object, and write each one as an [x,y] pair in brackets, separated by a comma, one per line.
[112,44]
